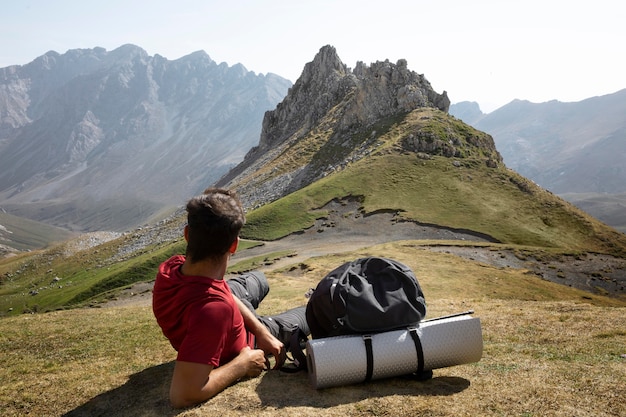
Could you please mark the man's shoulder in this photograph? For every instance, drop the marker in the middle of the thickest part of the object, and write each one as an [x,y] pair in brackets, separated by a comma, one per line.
[217,308]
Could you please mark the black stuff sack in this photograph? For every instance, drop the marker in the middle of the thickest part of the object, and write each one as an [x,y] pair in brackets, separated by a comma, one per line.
[368,295]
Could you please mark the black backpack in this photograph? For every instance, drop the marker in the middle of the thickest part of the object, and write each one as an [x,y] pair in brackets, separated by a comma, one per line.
[368,295]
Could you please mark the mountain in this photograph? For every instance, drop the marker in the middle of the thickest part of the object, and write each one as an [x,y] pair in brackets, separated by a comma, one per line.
[105,140]
[319,127]
[468,111]
[575,150]
[343,135]
[380,175]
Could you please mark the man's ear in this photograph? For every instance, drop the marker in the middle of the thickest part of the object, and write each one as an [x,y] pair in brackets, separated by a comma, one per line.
[233,247]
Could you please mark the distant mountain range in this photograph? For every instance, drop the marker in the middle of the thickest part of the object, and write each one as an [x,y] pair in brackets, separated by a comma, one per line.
[98,140]
[576,150]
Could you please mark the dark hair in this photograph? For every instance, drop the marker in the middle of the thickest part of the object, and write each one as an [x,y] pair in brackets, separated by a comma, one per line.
[215,219]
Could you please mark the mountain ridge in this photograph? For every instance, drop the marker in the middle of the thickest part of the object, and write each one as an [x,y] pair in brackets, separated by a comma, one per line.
[575,149]
[122,126]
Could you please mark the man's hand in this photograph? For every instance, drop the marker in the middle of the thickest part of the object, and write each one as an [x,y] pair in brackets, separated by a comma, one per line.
[264,339]
[253,360]
[272,346]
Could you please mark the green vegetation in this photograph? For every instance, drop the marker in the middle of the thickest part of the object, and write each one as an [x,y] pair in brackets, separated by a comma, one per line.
[280,218]
[258,261]
[548,350]
[471,196]
[48,281]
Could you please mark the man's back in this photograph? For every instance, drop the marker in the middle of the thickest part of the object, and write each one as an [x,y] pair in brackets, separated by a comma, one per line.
[198,315]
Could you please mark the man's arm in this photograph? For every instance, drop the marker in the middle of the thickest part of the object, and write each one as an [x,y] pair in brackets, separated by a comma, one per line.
[193,383]
[264,339]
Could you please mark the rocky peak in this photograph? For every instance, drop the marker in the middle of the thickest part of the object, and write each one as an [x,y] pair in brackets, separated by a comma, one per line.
[338,103]
[326,67]
[363,96]
[366,94]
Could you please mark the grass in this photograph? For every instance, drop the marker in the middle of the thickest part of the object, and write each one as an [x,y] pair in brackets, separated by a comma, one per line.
[493,201]
[48,280]
[548,351]
[259,261]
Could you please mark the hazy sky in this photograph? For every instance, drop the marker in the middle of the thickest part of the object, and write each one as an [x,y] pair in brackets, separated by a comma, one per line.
[490,52]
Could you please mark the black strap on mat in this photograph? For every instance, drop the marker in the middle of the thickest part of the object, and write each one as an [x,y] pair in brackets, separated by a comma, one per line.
[298,359]
[367,338]
[369,353]
[418,349]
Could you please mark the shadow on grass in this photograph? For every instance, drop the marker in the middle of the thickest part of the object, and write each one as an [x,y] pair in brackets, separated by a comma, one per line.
[278,389]
[145,393]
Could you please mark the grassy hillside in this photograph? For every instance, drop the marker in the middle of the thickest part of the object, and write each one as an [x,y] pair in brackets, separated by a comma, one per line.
[549,350]
[64,277]
[430,168]
[491,201]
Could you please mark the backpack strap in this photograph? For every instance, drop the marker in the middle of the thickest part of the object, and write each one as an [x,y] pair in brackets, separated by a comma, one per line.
[295,347]
[367,339]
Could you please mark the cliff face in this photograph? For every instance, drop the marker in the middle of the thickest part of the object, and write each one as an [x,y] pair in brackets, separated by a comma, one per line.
[325,110]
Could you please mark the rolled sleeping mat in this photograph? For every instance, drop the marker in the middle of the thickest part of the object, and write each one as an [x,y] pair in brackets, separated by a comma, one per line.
[436,343]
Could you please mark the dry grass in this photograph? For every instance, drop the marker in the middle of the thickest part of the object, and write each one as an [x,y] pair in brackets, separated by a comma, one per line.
[547,352]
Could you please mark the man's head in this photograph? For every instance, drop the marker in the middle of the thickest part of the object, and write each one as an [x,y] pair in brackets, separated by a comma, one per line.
[214,220]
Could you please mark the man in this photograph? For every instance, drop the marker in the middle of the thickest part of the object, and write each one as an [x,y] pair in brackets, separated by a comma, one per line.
[218,336]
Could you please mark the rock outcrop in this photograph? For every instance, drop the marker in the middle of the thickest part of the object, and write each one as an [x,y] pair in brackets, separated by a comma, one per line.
[326,108]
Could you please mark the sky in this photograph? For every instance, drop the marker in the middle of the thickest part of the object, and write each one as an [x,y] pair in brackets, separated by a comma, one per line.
[490,52]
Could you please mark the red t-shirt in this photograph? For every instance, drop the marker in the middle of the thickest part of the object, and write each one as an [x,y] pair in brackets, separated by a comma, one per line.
[198,315]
